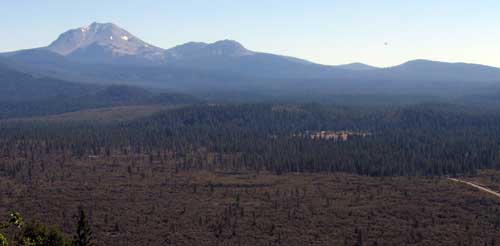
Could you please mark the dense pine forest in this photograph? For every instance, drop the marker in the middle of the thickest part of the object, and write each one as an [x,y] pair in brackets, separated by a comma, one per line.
[185,171]
[427,139]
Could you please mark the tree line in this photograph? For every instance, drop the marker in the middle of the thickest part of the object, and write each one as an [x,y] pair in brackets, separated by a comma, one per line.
[415,140]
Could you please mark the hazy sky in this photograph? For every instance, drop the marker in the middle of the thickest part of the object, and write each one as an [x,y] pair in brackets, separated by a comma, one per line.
[323,31]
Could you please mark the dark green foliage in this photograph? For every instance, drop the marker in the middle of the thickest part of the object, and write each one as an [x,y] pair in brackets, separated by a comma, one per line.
[16,220]
[3,240]
[430,139]
[32,234]
[83,236]
[37,234]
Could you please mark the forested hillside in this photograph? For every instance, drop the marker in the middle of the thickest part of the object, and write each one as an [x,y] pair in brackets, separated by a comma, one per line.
[18,87]
[432,139]
[253,174]
[111,96]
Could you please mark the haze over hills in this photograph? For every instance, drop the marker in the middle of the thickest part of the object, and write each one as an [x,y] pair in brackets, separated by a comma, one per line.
[249,123]
[107,54]
[18,87]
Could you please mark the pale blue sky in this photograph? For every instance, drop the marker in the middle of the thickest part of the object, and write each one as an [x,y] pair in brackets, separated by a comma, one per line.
[323,31]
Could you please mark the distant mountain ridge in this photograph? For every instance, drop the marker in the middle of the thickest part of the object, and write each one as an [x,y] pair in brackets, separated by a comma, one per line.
[107,53]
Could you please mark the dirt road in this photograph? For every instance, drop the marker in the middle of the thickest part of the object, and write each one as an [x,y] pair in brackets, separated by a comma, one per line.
[476,186]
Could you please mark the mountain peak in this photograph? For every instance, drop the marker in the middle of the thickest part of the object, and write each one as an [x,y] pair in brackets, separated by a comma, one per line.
[420,61]
[228,43]
[228,47]
[97,24]
[99,27]
[357,66]
[106,37]
[193,50]
[423,64]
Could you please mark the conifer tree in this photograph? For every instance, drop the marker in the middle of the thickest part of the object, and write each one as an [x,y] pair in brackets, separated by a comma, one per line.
[83,235]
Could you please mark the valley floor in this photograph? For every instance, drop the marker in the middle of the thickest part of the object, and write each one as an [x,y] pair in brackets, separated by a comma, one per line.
[133,202]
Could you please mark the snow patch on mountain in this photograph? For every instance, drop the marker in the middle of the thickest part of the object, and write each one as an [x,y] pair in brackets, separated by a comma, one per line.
[111,38]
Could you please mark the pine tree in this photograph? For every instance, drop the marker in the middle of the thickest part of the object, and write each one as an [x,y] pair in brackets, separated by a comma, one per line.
[3,240]
[83,235]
